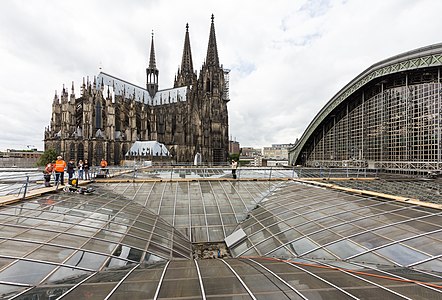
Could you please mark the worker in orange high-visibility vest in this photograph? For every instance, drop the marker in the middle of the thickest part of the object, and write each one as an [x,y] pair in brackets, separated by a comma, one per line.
[60,165]
[103,165]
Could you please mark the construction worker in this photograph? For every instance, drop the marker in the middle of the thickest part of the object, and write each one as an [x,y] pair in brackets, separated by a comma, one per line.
[70,169]
[60,165]
[48,172]
[103,163]
[104,169]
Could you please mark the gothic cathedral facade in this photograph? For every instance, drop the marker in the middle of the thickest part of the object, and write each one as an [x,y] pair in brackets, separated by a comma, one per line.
[111,114]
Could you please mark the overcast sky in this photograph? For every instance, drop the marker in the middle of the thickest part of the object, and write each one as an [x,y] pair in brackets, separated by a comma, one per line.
[287,57]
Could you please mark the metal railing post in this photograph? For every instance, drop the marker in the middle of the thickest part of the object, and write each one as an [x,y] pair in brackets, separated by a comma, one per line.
[26,187]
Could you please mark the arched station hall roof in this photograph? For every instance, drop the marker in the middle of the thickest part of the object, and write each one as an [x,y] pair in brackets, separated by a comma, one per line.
[421,58]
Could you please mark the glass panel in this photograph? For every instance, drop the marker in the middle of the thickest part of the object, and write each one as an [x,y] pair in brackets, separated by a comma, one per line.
[180,288]
[216,233]
[329,295]
[136,290]
[198,220]
[229,219]
[199,234]
[282,253]
[241,247]
[99,291]
[430,244]
[87,260]
[99,246]
[345,248]
[7,290]
[432,265]
[401,254]
[303,245]
[224,285]
[26,272]
[134,241]
[69,240]
[67,275]
[372,258]
[268,245]
[50,253]
[16,248]
[370,240]
[213,220]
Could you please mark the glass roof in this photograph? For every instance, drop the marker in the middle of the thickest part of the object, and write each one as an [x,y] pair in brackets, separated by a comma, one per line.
[252,278]
[204,211]
[68,233]
[137,241]
[310,222]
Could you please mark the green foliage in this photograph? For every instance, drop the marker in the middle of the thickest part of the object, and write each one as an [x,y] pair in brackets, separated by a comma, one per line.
[234,156]
[47,156]
[244,162]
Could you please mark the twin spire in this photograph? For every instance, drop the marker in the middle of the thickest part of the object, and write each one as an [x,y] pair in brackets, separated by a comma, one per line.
[186,62]
[212,51]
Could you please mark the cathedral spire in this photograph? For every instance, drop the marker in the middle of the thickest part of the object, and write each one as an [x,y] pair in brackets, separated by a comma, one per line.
[186,62]
[212,51]
[152,63]
[186,75]
[152,72]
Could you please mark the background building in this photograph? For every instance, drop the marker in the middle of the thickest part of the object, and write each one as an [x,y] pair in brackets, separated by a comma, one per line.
[250,152]
[277,151]
[389,117]
[234,147]
[19,158]
[111,114]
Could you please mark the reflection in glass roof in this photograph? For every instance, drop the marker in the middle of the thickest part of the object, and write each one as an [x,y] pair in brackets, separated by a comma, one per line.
[136,240]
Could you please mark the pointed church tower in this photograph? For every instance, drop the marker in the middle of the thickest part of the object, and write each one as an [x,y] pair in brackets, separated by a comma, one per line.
[211,77]
[152,72]
[186,75]
[212,59]
[212,107]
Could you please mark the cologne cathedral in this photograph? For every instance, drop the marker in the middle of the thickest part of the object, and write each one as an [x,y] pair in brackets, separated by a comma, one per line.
[111,114]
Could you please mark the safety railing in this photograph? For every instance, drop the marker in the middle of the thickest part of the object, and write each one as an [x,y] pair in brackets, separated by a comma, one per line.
[20,184]
[140,171]
[325,172]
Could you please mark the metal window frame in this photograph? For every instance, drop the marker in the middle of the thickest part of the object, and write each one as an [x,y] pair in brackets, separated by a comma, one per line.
[239,279]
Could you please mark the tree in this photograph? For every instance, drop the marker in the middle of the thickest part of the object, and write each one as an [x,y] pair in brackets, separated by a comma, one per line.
[47,156]
[234,156]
